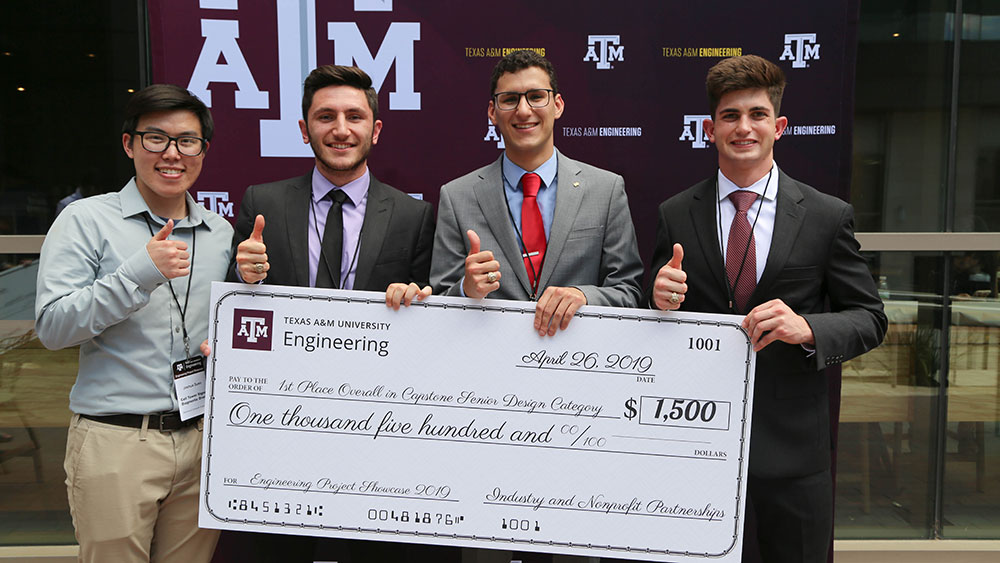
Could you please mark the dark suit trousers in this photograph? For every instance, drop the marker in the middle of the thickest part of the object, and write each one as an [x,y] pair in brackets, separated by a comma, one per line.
[792,519]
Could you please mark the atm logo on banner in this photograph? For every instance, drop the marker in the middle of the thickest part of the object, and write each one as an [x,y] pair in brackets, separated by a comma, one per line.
[492,135]
[252,329]
[297,46]
[694,131]
[799,48]
[216,202]
[604,49]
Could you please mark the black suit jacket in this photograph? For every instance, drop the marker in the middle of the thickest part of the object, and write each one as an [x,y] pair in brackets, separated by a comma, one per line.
[396,237]
[815,267]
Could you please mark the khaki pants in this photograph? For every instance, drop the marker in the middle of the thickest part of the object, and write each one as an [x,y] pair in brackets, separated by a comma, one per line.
[133,493]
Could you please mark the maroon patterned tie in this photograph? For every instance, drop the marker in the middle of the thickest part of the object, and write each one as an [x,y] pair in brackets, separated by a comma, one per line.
[741,269]
[532,229]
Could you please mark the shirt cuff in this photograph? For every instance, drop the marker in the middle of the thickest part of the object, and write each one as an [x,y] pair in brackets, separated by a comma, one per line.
[141,269]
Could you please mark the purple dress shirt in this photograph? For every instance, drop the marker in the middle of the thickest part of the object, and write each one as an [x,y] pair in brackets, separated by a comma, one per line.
[354,216]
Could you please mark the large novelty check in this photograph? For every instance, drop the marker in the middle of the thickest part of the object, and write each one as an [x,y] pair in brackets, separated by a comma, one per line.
[452,422]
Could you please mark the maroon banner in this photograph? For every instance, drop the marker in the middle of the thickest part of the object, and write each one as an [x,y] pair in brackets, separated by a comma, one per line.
[632,76]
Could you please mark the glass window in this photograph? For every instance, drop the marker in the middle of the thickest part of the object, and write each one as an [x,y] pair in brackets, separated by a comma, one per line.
[902,108]
[34,413]
[971,499]
[886,461]
[977,186]
[64,67]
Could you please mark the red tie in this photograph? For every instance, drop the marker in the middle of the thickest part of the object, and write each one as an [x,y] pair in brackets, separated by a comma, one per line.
[741,254]
[532,229]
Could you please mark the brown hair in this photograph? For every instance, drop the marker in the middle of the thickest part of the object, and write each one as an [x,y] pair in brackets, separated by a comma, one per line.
[520,60]
[338,75]
[742,73]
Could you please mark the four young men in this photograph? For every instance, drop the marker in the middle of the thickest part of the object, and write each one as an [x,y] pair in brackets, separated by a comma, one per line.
[534,225]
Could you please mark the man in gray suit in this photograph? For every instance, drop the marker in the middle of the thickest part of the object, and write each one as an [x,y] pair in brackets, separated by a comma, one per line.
[751,240]
[569,244]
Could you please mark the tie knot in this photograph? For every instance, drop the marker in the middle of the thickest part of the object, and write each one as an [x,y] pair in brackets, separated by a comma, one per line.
[530,183]
[338,196]
[742,200]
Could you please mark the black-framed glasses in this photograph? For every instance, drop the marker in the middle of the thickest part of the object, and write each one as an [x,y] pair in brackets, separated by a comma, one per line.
[187,145]
[536,98]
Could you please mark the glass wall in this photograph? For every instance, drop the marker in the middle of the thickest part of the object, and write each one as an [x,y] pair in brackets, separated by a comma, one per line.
[920,416]
[66,70]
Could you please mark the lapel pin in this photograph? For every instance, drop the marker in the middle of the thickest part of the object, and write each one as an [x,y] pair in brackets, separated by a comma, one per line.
[576,184]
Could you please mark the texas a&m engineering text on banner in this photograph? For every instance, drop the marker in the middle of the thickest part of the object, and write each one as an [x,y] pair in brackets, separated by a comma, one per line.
[632,77]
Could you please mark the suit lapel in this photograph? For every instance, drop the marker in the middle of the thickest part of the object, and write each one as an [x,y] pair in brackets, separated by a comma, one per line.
[297,208]
[490,196]
[705,223]
[378,213]
[788,219]
[569,197]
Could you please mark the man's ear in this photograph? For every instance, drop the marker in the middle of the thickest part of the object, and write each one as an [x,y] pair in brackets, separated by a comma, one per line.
[779,127]
[127,144]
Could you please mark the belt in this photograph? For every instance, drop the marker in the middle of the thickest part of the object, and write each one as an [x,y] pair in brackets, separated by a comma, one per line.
[163,422]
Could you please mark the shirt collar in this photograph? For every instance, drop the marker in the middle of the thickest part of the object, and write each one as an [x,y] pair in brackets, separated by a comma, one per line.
[132,204]
[762,187]
[355,189]
[547,171]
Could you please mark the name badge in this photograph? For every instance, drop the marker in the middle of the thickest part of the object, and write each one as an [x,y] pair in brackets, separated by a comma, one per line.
[189,383]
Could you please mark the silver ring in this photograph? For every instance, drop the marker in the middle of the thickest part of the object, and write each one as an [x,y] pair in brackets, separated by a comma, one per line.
[491,277]
[259,268]
[674,297]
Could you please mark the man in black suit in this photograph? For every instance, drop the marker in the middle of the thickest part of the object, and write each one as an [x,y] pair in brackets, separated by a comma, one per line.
[387,235]
[336,227]
[793,267]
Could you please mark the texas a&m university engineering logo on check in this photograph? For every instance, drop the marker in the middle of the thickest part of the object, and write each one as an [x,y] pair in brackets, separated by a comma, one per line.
[452,422]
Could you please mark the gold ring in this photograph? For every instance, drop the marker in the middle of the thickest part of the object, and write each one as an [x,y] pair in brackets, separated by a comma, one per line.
[259,268]
[491,277]
[674,297]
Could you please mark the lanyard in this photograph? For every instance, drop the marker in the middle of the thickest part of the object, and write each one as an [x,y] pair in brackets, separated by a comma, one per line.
[187,295]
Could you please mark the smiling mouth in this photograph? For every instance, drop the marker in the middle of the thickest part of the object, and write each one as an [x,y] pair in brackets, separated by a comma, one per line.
[170,171]
[524,125]
[744,143]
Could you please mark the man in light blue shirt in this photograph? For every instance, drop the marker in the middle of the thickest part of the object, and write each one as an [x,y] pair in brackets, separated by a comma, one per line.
[126,276]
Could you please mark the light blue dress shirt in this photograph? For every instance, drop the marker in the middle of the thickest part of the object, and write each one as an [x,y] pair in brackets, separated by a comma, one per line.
[98,287]
[546,197]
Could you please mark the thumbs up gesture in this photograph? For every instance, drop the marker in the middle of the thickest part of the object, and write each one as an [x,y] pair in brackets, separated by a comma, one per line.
[669,286]
[170,257]
[251,254]
[482,272]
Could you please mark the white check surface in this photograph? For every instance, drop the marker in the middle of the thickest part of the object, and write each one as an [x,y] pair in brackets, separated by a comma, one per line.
[452,422]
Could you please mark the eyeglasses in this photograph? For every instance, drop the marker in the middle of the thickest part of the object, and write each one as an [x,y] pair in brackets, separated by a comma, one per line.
[154,141]
[536,98]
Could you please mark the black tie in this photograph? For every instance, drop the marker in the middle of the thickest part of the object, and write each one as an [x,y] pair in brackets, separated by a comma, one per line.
[332,248]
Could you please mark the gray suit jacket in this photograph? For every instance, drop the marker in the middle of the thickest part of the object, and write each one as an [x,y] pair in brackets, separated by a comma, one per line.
[396,236]
[591,243]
